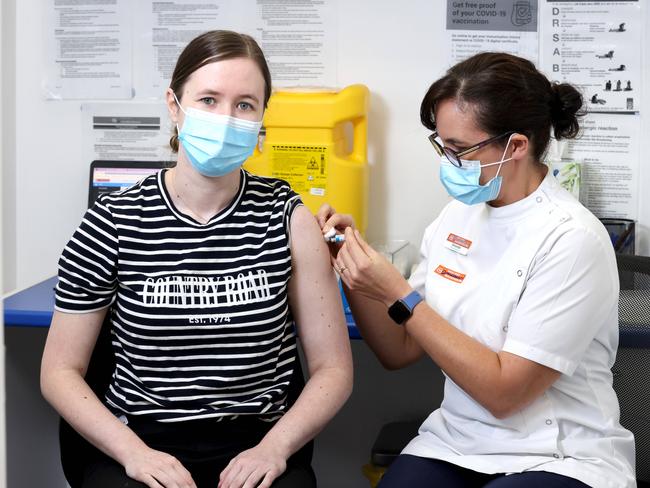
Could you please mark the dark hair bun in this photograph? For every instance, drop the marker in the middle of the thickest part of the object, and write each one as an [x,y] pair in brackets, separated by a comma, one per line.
[506,93]
[566,108]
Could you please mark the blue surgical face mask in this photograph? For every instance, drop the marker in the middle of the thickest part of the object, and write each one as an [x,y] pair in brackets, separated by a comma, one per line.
[463,183]
[216,144]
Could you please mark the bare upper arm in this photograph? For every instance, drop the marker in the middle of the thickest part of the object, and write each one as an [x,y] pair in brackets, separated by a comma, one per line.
[71,340]
[315,298]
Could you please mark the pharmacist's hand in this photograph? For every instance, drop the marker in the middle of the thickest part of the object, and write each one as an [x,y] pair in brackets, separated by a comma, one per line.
[365,271]
[255,468]
[332,223]
[157,469]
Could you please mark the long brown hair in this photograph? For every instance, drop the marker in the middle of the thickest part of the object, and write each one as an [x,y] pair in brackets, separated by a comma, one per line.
[507,93]
[210,47]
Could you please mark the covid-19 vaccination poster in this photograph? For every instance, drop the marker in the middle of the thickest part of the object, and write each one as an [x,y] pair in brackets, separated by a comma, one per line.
[500,25]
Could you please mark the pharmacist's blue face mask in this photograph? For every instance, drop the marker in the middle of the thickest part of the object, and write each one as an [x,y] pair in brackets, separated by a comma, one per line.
[463,183]
[216,144]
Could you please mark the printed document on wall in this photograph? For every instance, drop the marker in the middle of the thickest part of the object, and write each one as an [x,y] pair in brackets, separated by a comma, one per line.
[163,29]
[126,131]
[88,49]
[609,152]
[500,25]
[596,46]
[299,41]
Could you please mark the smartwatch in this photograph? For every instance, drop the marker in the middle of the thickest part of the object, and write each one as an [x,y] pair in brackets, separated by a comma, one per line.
[402,309]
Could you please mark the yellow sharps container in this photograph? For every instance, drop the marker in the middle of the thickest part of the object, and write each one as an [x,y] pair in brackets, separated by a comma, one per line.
[317,141]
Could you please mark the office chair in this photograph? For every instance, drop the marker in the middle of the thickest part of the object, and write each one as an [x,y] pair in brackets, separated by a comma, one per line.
[77,453]
[632,366]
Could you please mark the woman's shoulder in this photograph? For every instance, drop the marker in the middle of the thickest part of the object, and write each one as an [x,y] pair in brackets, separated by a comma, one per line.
[267,186]
[580,237]
[265,181]
[139,193]
[579,219]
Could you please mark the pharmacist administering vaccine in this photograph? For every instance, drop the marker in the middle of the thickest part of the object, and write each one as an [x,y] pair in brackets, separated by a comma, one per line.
[515,298]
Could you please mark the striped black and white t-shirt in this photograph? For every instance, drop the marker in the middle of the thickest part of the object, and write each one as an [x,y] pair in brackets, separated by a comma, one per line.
[201,325]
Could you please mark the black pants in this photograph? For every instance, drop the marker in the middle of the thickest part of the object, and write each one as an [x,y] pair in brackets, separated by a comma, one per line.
[204,447]
[418,472]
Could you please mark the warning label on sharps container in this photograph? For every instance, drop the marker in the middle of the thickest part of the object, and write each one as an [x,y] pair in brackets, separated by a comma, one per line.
[303,167]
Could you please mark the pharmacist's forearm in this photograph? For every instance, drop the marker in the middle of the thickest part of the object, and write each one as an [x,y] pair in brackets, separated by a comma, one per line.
[389,341]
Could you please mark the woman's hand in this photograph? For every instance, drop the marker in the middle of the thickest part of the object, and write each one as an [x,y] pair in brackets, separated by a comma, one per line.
[365,271]
[331,223]
[157,469]
[257,467]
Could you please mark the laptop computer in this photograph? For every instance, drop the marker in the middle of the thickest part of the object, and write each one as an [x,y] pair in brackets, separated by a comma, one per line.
[107,176]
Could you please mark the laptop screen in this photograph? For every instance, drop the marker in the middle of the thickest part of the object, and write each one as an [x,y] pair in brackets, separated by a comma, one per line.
[107,176]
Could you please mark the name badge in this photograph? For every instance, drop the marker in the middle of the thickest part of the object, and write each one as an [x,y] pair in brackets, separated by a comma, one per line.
[450,274]
[458,244]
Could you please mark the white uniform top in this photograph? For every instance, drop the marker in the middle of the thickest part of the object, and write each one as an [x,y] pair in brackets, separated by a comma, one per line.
[538,279]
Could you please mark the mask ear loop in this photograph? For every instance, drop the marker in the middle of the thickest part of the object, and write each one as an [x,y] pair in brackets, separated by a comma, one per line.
[178,130]
[179,103]
[500,163]
[504,155]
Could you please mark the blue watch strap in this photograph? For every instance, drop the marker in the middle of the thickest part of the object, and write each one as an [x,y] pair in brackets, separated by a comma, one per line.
[411,300]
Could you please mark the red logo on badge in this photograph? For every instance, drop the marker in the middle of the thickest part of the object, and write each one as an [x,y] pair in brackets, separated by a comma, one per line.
[459,241]
[450,274]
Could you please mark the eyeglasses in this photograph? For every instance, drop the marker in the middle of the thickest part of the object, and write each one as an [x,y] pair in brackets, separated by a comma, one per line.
[453,156]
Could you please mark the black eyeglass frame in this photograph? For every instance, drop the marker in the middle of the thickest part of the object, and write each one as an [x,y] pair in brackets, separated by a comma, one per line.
[453,156]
